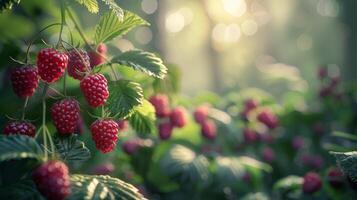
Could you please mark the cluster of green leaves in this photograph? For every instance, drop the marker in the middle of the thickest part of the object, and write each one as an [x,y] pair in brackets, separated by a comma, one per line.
[29,152]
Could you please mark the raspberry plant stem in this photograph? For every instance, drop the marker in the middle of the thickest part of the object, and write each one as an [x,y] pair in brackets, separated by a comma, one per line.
[76,25]
[44,119]
[24,108]
[64,83]
[63,22]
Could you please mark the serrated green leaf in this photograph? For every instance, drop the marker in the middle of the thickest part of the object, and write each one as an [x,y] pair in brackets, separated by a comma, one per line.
[91,5]
[143,118]
[185,166]
[110,26]
[19,147]
[115,8]
[347,161]
[229,171]
[288,183]
[102,187]
[7,4]
[71,149]
[124,96]
[143,61]
[171,83]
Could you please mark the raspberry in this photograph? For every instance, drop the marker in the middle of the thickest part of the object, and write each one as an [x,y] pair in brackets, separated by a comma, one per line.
[20,127]
[335,177]
[65,115]
[268,118]
[298,142]
[123,125]
[322,72]
[250,136]
[78,63]
[165,130]
[268,155]
[313,161]
[97,58]
[131,146]
[52,180]
[178,117]
[104,169]
[104,134]
[201,114]
[24,81]
[95,89]
[208,129]
[312,183]
[161,104]
[250,104]
[51,64]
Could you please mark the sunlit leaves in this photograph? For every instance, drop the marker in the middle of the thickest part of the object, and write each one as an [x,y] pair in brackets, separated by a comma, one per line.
[124,96]
[102,187]
[143,61]
[111,26]
[91,5]
[143,118]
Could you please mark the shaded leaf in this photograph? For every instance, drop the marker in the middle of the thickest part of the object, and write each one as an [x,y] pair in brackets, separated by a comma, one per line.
[91,5]
[115,8]
[172,81]
[22,190]
[143,118]
[347,161]
[19,147]
[110,26]
[143,61]
[124,96]
[102,187]
[7,4]
[71,149]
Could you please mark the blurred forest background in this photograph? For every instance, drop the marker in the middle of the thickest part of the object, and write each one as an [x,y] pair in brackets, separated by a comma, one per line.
[220,45]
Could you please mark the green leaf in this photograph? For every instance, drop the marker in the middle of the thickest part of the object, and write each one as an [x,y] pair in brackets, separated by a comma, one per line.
[124,96]
[110,26]
[344,135]
[250,162]
[171,83]
[288,183]
[255,196]
[115,8]
[7,4]
[230,171]
[143,118]
[143,61]
[19,147]
[185,166]
[347,161]
[91,5]
[22,190]
[102,187]
[71,149]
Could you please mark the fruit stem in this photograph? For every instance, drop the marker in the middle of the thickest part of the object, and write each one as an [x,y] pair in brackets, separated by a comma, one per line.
[64,83]
[24,108]
[114,72]
[63,22]
[103,111]
[78,28]
[44,118]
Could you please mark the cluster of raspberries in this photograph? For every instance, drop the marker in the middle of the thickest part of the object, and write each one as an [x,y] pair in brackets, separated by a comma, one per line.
[208,127]
[169,118]
[329,85]
[52,177]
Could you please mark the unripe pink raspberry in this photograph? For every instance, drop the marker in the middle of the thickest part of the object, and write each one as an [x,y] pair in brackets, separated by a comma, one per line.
[123,125]
[312,183]
[268,155]
[250,136]
[268,118]
[201,114]
[178,117]
[97,58]
[161,105]
[165,131]
[208,129]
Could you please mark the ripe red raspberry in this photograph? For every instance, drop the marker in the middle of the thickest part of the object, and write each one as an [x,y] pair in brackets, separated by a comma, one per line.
[161,104]
[97,58]
[24,81]
[78,63]
[250,104]
[65,116]
[131,146]
[208,129]
[335,177]
[52,180]
[165,130]
[201,114]
[178,117]
[51,64]
[20,127]
[268,155]
[95,89]
[268,118]
[123,125]
[104,134]
[312,183]
[250,136]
